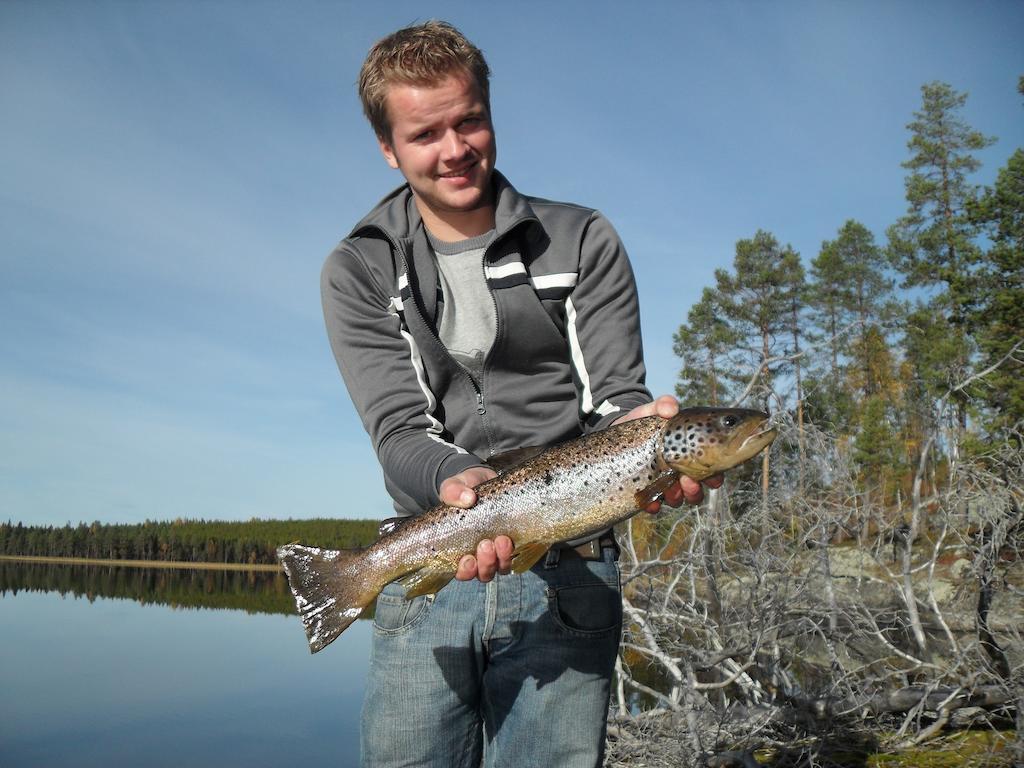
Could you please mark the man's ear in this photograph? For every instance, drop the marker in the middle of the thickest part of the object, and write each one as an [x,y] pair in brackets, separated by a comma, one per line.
[388,152]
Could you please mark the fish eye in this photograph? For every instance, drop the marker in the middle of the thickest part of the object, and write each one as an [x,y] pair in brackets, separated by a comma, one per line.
[730,420]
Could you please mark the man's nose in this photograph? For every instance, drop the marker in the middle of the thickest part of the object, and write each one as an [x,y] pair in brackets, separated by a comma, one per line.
[453,145]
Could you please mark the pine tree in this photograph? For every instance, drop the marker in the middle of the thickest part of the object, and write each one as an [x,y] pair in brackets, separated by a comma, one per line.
[704,343]
[998,320]
[830,299]
[933,245]
[876,448]
[758,300]
[796,291]
[850,298]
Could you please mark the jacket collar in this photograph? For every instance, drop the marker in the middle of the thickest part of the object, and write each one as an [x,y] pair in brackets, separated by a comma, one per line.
[398,217]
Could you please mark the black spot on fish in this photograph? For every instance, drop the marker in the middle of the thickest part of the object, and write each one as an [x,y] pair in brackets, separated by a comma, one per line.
[548,479]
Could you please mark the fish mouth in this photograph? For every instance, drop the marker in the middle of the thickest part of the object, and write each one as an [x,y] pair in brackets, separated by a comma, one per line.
[753,438]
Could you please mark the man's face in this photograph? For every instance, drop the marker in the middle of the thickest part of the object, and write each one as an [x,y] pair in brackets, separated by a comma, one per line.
[443,143]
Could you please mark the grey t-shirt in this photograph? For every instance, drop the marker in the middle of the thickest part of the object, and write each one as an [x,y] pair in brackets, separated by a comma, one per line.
[469,322]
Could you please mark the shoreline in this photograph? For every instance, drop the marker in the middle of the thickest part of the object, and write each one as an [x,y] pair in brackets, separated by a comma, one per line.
[139,563]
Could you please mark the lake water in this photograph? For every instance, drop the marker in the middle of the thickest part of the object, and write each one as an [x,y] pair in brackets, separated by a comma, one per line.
[106,667]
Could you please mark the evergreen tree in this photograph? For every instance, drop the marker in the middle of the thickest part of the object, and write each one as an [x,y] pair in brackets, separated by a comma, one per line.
[703,343]
[849,288]
[830,299]
[998,320]
[933,244]
[877,449]
[796,290]
[756,301]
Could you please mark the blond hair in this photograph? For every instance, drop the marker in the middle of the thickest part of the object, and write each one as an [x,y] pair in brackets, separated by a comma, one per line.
[423,54]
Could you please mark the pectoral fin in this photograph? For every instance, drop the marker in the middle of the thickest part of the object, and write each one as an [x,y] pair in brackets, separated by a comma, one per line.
[655,490]
[390,525]
[503,462]
[425,581]
[527,555]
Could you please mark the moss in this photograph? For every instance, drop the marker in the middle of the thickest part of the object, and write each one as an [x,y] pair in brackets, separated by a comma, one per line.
[965,749]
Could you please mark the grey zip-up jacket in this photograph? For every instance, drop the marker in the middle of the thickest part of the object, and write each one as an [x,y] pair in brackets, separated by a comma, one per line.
[566,359]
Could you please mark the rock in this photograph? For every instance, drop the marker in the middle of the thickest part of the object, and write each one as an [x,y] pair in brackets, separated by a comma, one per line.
[960,570]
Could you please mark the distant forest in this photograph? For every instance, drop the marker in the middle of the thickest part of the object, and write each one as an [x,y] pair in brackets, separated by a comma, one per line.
[190,541]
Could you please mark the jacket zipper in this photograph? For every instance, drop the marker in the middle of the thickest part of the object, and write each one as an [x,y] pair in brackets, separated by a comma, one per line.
[481,409]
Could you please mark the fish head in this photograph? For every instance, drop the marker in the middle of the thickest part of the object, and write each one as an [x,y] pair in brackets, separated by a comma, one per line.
[700,442]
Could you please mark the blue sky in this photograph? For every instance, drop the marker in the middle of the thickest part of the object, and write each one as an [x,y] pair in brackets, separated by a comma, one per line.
[172,175]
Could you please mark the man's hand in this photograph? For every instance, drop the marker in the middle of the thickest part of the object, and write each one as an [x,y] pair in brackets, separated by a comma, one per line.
[491,556]
[687,489]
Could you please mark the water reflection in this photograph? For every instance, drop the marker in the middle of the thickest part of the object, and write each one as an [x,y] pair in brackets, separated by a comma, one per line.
[251,591]
[100,667]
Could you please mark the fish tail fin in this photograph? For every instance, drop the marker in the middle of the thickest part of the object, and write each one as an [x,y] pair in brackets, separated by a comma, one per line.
[327,597]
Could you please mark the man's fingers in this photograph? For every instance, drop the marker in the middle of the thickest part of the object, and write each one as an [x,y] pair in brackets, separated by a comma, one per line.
[693,492]
[486,560]
[666,406]
[492,557]
[467,568]
[455,493]
[503,548]
[457,490]
[674,495]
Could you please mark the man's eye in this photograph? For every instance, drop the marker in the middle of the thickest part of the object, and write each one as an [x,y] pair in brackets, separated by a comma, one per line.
[423,136]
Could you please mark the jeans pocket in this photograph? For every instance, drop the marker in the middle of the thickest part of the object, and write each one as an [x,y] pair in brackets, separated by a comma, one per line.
[394,614]
[586,609]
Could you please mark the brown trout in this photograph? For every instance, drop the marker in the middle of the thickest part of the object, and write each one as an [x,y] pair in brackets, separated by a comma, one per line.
[567,492]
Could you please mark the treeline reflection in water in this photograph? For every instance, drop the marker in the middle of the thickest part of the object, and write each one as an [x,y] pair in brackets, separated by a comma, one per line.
[108,665]
[251,591]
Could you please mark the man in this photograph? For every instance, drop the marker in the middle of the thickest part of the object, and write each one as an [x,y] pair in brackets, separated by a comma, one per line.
[468,320]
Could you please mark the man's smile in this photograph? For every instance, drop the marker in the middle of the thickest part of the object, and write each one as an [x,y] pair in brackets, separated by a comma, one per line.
[463,171]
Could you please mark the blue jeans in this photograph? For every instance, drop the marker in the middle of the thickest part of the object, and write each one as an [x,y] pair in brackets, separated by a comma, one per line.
[516,672]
